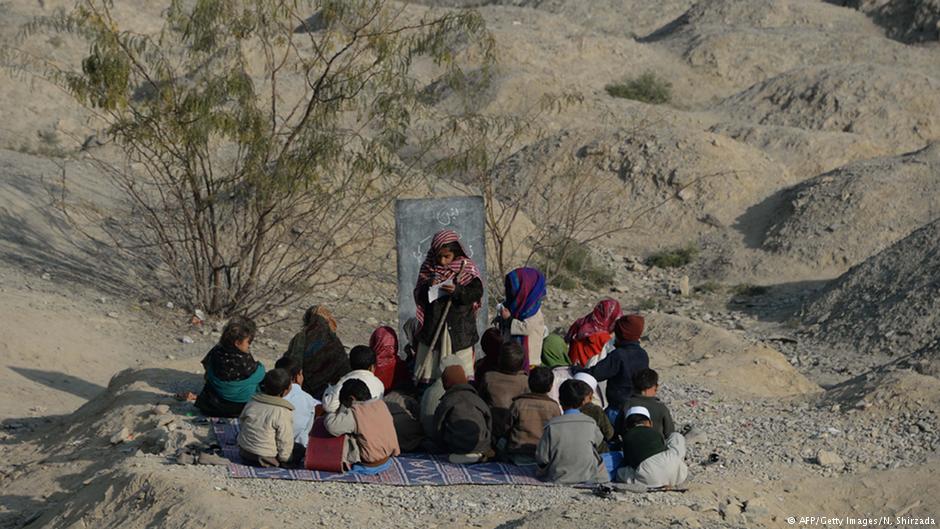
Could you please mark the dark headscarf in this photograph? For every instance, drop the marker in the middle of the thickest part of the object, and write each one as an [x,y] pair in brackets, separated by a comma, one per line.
[492,343]
[228,363]
[324,358]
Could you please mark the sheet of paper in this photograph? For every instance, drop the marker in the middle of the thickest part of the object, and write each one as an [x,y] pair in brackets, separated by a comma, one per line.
[434,292]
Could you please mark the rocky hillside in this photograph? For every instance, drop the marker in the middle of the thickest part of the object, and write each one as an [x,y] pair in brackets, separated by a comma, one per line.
[887,306]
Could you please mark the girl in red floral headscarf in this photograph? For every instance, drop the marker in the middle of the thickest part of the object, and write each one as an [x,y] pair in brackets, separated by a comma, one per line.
[587,336]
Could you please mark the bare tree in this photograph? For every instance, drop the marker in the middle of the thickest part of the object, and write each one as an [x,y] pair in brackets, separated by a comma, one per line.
[260,138]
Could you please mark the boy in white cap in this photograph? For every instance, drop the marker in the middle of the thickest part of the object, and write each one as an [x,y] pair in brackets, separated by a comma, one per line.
[647,459]
[592,410]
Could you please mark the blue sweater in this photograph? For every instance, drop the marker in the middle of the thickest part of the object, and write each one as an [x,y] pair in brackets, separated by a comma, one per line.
[618,370]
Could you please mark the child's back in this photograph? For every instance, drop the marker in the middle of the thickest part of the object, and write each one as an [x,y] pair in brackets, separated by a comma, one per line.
[367,423]
[530,412]
[567,452]
[661,417]
[266,434]
[375,432]
[528,416]
[603,423]
[462,421]
[498,390]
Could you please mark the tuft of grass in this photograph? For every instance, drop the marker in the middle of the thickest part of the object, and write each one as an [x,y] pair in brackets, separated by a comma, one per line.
[647,304]
[575,266]
[674,258]
[648,88]
[748,290]
[709,287]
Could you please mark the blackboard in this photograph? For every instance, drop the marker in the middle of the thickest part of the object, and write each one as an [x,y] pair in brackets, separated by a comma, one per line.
[416,222]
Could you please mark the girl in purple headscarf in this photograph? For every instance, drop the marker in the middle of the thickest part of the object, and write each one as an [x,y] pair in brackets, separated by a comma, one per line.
[521,313]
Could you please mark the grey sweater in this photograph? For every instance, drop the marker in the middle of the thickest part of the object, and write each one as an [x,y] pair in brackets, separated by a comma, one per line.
[567,452]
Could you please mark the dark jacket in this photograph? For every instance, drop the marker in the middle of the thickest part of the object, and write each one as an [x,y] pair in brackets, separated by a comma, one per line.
[640,443]
[405,413]
[659,414]
[462,421]
[460,320]
[618,370]
[603,423]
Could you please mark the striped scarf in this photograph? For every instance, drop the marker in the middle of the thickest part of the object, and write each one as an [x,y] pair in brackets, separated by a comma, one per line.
[462,269]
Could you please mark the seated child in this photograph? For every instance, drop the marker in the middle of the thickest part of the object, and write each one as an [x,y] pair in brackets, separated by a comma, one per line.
[367,425]
[406,413]
[647,460]
[623,362]
[232,373]
[499,387]
[645,387]
[304,405]
[592,410]
[529,414]
[431,398]
[462,421]
[362,361]
[567,452]
[266,434]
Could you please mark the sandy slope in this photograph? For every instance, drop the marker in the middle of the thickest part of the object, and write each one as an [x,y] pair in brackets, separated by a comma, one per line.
[825,124]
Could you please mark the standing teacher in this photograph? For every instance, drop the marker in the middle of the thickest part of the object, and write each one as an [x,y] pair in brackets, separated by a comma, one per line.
[447,297]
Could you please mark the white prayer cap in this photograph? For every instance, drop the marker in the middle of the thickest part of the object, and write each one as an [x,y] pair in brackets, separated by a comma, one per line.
[587,379]
[638,410]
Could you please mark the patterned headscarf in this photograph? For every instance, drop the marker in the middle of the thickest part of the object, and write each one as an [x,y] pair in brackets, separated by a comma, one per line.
[601,319]
[462,269]
[525,289]
[555,351]
[389,367]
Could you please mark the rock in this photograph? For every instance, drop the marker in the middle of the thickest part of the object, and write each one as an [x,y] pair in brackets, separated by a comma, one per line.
[161,409]
[186,340]
[154,441]
[120,436]
[711,220]
[199,314]
[46,276]
[185,458]
[829,459]
[114,315]
[684,289]
[169,304]
[211,459]
[170,357]
[729,509]
[756,506]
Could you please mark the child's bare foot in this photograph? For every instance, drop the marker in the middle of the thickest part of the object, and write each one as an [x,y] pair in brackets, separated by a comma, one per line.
[187,396]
